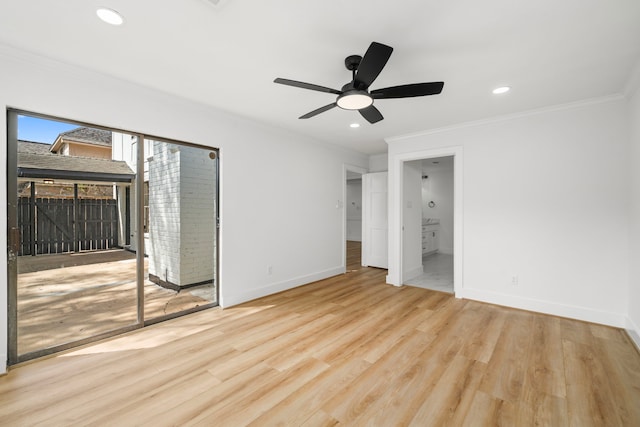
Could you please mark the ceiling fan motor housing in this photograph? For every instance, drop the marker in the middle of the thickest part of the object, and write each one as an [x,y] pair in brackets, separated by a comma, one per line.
[352,62]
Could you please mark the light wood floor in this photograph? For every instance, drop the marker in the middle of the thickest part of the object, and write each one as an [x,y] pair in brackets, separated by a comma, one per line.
[354,252]
[349,351]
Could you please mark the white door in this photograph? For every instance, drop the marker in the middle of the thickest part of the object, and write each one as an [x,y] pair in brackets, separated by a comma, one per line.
[374,220]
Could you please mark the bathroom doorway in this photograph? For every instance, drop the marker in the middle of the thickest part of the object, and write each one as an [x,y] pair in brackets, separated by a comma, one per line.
[435,232]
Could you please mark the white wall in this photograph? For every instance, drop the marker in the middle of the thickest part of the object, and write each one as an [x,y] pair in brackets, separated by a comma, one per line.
[262,224]
[354,210]
[412,220]
[378,163]
[545,198]
[439,189]
[634,282]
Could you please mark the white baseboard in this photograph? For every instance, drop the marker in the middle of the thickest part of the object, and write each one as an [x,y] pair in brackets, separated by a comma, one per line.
[634,332]
[546,307]
[273,288]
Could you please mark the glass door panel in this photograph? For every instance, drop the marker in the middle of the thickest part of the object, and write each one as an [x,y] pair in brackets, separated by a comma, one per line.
[180,228]
[76,274]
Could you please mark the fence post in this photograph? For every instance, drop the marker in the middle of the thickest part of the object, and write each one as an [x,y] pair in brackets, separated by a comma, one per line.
[32,219]
[76,245]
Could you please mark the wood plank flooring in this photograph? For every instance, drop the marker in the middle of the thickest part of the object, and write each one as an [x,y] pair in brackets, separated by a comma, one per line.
[348,351]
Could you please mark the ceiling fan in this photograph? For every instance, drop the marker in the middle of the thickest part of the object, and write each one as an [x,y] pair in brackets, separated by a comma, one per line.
[355,95]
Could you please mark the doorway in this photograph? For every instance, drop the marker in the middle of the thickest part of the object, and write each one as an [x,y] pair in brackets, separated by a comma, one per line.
[100,221]
[353,217]
[405,229]
[436,224]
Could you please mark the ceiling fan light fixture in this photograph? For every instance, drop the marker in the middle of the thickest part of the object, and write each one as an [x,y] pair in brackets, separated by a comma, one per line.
[354,100]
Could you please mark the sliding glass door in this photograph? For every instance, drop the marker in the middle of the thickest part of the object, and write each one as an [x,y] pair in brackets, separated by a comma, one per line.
[108,231]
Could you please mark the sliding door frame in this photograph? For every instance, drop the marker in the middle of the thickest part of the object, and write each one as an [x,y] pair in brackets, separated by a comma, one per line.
[13,238]
[140,249]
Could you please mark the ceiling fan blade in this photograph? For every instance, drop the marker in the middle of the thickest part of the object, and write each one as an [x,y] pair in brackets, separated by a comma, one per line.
[304,85]
[408,91]
[371,114]
[372,63]
[318,111]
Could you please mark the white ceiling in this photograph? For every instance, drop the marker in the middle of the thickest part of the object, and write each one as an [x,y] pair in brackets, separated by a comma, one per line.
[551,52]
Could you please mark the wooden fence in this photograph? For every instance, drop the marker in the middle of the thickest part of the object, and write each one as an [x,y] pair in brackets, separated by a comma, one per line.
[53,226]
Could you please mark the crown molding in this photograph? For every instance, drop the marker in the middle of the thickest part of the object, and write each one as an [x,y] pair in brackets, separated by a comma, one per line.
[509,117]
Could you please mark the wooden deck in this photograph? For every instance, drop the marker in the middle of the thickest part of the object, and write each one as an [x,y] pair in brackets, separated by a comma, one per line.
[93,293]
[349,350]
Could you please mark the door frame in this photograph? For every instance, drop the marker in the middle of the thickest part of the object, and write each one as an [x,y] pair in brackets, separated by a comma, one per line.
[396,207]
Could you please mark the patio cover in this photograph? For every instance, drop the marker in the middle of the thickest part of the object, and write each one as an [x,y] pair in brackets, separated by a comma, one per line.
[41,165]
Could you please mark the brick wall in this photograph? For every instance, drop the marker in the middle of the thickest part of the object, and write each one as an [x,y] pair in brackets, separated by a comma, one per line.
[197,215]
[181,214]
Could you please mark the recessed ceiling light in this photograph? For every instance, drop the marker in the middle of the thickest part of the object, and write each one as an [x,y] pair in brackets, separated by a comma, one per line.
[354,125]
[110,16]
[501,89]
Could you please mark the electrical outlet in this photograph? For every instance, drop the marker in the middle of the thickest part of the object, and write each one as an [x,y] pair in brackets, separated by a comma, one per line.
[514,280]
[269,269]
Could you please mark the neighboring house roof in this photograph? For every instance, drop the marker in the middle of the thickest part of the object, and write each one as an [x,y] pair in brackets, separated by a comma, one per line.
[33,147]
[33,163]
[84,135]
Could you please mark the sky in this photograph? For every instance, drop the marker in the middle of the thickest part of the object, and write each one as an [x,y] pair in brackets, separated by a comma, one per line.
[41,130]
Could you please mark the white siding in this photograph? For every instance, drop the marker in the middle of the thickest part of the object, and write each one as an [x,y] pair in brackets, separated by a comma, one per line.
[164,213]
